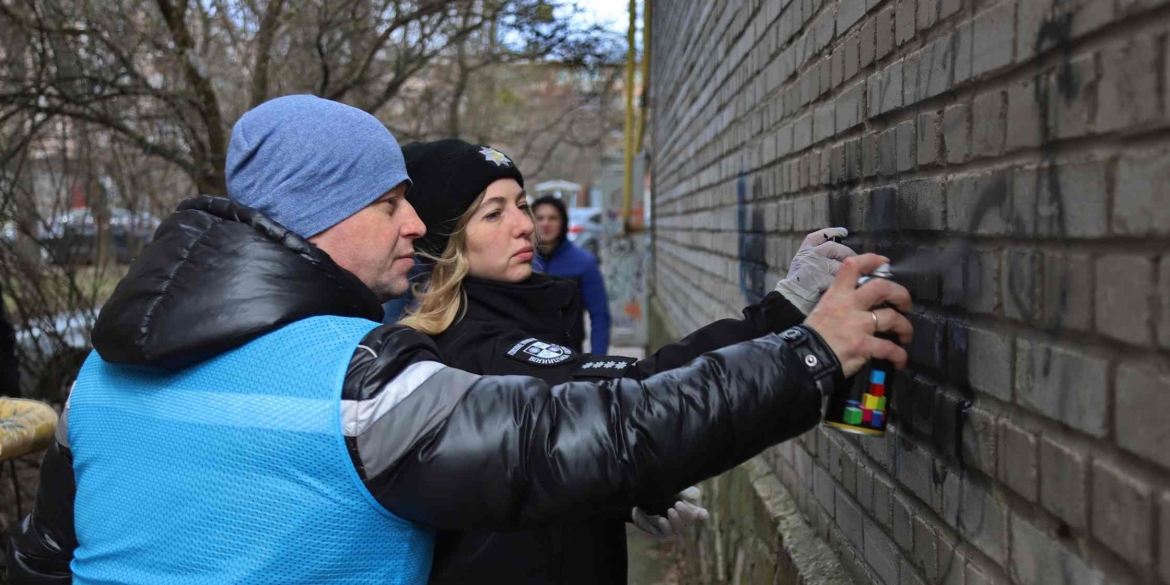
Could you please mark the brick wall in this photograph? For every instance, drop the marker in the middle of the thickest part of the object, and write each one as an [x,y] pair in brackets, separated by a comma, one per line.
[1018,152]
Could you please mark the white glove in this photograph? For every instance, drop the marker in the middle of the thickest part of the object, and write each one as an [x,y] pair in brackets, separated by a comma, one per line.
[813,268]
[684,513]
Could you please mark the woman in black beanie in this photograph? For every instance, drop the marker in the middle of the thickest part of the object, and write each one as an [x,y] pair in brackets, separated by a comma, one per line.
[489,313]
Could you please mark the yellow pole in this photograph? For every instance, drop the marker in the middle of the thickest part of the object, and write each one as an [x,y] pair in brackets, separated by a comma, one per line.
[628,189]
[645,72]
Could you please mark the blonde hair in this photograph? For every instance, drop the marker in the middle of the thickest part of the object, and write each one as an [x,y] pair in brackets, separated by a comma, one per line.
[441,299]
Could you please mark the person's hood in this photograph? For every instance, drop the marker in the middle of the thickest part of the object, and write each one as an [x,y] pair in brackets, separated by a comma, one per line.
[542,306]
[216,276]
[562,209]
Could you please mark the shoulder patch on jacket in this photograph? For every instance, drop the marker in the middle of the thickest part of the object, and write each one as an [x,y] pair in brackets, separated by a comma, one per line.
[540,353]
[603,366]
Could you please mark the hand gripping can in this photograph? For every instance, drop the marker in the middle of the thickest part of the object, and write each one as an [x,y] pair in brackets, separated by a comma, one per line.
[859,406]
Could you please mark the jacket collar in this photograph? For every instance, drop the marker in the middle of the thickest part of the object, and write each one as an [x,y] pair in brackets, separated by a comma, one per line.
[218,275]
[542,306]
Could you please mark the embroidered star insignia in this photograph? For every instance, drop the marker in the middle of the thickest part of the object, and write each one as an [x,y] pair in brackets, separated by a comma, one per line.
[494,156]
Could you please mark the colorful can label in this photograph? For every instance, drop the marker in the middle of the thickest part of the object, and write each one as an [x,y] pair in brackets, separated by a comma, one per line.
[860,407]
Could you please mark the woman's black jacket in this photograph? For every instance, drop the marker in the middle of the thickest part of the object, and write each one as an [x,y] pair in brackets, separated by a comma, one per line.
[524,329]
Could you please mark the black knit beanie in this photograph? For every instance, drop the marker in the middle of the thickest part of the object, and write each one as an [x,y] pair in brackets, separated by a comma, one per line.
[447,176]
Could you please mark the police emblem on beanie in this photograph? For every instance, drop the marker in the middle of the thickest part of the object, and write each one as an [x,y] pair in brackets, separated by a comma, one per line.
[494,156]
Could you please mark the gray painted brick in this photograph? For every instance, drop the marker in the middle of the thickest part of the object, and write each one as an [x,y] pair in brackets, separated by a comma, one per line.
[804,468]
[909,576]
[881,554]
[838,65]
[1123,513]
[1127,95]
[920,205]
[1142,401]
[979,440]
[1063,482]
[882,502]
[852,58]
[1037,558]
[1018,466]
[1023,116]
[914,466]
[887,153]
[979,203]
[1125,287]
[905,21]
[826,160]
[905,142]
[802,133]
[948,7]
[869,154]
[1070,118]
[978,576]
[1164,531]
[823,127]
[850,519]
[885,32]
[1164,294]
[1140,206]
[837,164]
[951,564]
[926,548]
[853,159]
[989,362]
[983,520]
[1067,291]
[994,29]
[1063,384]
[974,282]
[928,140]
[865,488]
[890,89]
[849,107]
[963,49]
[873,94]
[825,28]
[784,140]
[987,126]
[936,68]
[848,13]
[867,47]
[927,13]
[1022,278]
[825,66]
[902,528]
[910,66]
[1071,200]
[955,132]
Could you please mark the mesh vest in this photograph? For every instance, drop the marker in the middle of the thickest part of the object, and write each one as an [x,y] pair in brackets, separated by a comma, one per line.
[234,470]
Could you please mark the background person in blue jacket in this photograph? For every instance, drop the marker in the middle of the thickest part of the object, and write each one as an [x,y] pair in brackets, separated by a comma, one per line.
[559,257]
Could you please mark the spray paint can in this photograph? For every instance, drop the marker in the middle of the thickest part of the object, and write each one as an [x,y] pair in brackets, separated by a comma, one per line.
[859,406]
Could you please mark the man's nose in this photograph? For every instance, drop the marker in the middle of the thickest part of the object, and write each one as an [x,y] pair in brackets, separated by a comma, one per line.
[412,226]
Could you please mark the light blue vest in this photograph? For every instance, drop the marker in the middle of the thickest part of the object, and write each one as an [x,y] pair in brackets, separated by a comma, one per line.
[232,471]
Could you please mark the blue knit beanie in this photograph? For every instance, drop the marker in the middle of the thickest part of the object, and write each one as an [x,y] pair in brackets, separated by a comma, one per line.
[310,163]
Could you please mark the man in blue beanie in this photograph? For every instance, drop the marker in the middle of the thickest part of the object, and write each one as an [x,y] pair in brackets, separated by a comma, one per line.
[245,418]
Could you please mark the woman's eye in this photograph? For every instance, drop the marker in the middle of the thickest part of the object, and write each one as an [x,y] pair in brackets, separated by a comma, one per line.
[492,215]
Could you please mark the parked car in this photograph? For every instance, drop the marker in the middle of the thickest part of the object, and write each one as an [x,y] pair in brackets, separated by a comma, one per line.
[585,228]
[72,237]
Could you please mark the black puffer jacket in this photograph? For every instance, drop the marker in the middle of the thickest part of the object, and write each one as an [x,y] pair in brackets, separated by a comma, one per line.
[459,452]
[543,313]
